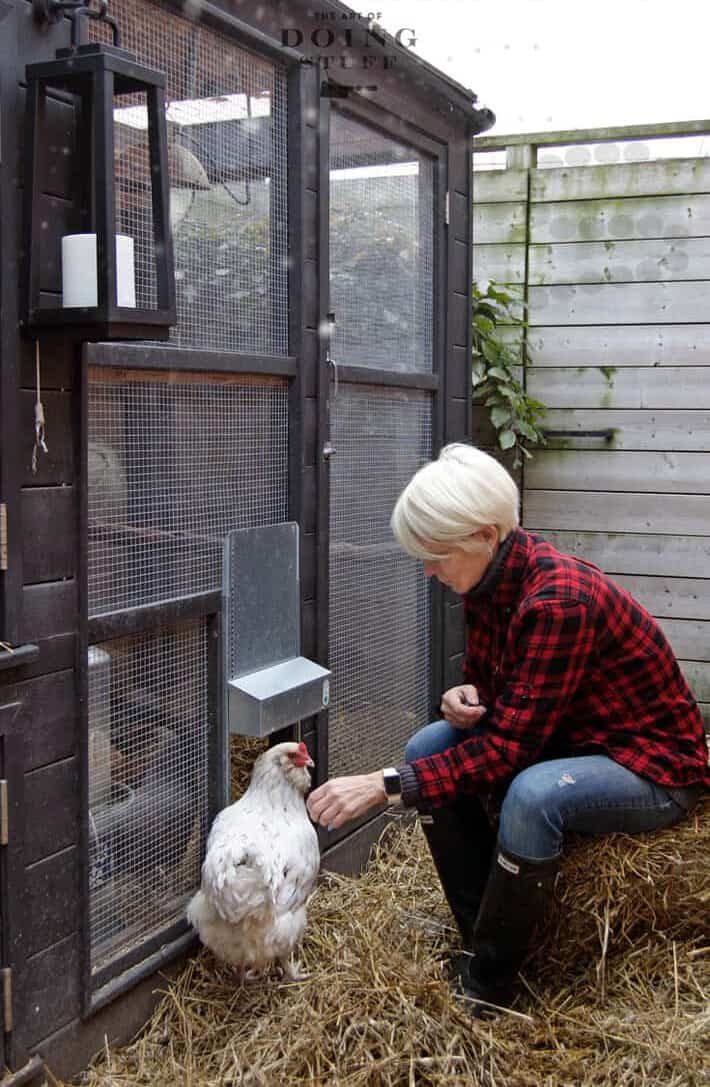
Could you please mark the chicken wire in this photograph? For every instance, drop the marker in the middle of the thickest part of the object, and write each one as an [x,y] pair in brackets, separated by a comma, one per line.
[379,599]
[227,153]
[381,249]
[175,461]
[148,783]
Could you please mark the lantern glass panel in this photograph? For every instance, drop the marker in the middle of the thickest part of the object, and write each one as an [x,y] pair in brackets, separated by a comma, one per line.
[132,180]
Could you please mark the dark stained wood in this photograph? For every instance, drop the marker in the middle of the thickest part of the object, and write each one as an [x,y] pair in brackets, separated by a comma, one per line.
[396,379]
[51,991]
[50,608]
[459,373]
[54,654]
[461,165]
[11,580]
[157,357]
[309,645]
[56,466]
[57,367]
[50,900]
[49,722]
[459,316]
[123,624]
[308,567]
[51,809]
[13,720]
[453,672]
[310,430]
[460,257]
[49,533]
[310,222]
[454,624]
[68,1049]
[309,508]
[457,423]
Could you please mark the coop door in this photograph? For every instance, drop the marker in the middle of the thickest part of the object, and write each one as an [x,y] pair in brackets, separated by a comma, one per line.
[175,460]
[381,292]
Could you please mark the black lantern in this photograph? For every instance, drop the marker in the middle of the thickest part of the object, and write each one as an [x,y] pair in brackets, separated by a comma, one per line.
[111,238]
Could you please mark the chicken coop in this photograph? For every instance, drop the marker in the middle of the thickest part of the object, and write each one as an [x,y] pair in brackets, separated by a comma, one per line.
[288,340]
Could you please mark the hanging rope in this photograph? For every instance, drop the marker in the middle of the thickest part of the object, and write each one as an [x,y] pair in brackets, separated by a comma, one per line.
[40,443]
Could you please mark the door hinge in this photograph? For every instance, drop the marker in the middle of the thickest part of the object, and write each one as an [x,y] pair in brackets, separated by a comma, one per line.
[7,999]
[447,210]
[4,816]
[3,536]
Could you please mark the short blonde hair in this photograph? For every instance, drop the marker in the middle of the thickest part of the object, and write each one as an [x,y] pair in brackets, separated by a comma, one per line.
[450,499]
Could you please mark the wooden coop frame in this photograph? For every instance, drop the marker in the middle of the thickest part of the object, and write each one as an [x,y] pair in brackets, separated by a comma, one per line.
[55,1007]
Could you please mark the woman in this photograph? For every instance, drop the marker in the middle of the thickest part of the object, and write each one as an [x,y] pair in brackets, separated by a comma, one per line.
[573,716]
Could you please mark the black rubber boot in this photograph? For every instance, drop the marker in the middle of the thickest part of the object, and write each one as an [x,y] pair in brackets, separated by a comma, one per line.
[514,902]
[461,842]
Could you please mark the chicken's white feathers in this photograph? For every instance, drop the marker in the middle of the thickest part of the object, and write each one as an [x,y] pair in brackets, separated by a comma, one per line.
[261,865]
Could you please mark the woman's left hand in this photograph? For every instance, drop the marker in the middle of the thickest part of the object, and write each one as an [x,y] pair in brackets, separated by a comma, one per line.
[341,799]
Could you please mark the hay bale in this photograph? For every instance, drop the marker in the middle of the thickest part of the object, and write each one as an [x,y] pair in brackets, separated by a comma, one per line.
[377,1010]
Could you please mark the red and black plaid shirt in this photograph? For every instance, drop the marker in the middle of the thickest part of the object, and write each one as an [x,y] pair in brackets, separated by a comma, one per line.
[567,663]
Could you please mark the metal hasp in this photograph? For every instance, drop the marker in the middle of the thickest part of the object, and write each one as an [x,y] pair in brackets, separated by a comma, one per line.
[269,685]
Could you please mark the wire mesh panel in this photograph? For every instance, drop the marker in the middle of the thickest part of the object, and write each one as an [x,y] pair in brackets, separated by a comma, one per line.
[227,147]
[379,599]
[175,462]
[381,248]
[148,735]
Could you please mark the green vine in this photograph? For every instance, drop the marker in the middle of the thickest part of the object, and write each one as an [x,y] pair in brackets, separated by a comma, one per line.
[515,415]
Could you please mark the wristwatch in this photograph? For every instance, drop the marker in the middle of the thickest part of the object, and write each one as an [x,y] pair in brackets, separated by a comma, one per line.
[393,785]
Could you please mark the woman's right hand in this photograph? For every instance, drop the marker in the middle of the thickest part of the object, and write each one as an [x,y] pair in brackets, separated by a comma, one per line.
[460,706]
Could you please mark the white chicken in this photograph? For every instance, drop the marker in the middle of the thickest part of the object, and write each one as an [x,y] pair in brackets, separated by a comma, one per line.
[261,864]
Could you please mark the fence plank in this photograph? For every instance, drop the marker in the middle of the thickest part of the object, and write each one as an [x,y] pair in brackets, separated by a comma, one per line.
[620,345]
[501,263]
[629,179]
[690,638]
[664,430]
[670,597]
[505,222]
[628,553]
[610,303]
[600,220]
[495,186]
[664,514]
[629,387]
[620,262]
[697,674]
[608,470]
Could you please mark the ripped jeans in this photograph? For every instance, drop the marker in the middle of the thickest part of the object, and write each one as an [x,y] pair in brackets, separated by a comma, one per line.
[588,794]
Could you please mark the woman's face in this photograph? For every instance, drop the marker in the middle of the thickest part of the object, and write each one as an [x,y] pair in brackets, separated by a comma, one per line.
[460,569]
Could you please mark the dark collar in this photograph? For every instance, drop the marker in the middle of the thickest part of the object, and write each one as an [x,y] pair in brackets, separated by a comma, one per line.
[502,580]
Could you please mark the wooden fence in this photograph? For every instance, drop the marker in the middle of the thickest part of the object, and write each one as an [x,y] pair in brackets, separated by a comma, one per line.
[614,263]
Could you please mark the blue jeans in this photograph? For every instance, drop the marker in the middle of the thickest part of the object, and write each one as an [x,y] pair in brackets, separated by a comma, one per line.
[588,794]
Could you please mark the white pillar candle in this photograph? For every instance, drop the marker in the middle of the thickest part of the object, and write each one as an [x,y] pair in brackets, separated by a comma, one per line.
[79,276]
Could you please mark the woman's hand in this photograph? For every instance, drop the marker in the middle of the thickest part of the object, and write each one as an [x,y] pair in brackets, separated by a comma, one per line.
[460,706]
[341,799]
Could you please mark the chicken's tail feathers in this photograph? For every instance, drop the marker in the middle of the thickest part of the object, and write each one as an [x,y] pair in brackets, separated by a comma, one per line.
[200,911]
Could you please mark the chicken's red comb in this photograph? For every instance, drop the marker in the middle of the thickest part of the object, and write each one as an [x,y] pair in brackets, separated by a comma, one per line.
[302,748]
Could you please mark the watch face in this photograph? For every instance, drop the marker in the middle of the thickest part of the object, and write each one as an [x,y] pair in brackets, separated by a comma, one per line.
[393,784]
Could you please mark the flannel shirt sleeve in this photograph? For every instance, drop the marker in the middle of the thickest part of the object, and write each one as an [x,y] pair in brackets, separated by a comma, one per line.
[550,654]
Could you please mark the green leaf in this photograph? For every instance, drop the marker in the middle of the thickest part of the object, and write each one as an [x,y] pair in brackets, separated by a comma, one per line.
[491,352]
[499,373]
[526,429]
[506,439]
[499,417]
[484,324]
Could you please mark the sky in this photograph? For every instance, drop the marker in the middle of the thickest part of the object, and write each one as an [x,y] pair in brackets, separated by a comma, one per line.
[545,65]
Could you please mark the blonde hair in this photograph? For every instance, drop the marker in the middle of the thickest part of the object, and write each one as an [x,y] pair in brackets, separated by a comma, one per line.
[452,498]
